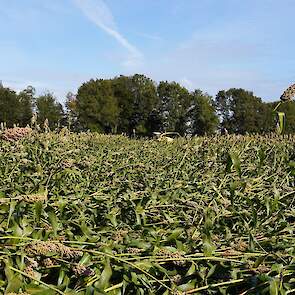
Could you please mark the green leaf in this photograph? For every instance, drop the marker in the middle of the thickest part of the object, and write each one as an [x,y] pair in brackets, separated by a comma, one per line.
[211,271]
[175,234]
[281,122]
[53,221]
[38,290]
[191,270]
[186,287]
[236,162]
[145,265]
[14,284]
[104,281]
[208,248]
[11,210]
[38,210]
[85,259]
[274,287]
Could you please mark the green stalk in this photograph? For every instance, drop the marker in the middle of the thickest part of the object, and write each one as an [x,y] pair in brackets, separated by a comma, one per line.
[214,286]
[278,105]
[127,262]
[38,281]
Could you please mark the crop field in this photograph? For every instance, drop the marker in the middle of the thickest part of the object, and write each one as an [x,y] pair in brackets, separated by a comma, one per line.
[97,214]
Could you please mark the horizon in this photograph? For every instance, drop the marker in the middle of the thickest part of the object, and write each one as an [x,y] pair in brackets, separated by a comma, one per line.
[210,45]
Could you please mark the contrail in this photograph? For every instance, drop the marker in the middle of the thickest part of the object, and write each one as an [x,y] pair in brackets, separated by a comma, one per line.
[99,13]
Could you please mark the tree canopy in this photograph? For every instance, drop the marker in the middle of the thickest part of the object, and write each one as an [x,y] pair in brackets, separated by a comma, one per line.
[48,108]
[138,105]
[16,108]
[240,111]
[97,107]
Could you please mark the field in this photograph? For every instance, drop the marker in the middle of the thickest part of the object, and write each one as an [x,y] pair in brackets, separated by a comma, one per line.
[97,214]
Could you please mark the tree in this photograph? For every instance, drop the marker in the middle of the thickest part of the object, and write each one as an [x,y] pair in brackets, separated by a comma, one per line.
[26,104]
[9,107]
[97,107]
[48,108]
[138,101]
[222,106]
[175,101]
[240,111]
[72,111]
[202,117]
[267,118]
[154,122]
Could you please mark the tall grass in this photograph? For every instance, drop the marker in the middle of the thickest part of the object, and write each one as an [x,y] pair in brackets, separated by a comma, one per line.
[96,214]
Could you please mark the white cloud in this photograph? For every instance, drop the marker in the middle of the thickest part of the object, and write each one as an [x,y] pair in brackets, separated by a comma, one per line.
[99,13]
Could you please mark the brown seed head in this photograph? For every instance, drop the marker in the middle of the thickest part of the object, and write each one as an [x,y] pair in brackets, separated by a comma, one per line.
[119,235]
[16,133]
[176,279]
[288,94]
[34,198]
[48,262]
[262,269]
[241,246]
[230,252]
[29,270]
[82,270]
[42,248]
[134,250]
[68,163]
[172,255]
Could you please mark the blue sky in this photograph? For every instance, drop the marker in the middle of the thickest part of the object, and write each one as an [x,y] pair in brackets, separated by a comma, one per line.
[206,44]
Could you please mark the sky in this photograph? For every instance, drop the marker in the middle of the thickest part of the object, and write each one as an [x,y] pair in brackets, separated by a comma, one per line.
[212,45]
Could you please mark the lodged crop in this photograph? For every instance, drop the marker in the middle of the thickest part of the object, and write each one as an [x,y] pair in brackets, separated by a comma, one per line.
[96,214]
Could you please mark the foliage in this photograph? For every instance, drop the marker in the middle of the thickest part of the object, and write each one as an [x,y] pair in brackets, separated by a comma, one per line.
[142,107]
[202,114]
[8,101]
[288,109]
[97,214]
[48,108]
[137,98]
[175,102]
[26,105]
[72,112]
[97,107]
[137,105]
[240,111]
[16,108]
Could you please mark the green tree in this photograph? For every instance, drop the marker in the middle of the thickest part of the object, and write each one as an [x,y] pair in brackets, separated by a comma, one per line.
[154,122]
[202,115]
[240,111]
[267,118]
[72,112]
[122,91]
[138,101]
[222,106]
[49,108]
[97,107]
[175,101]
[9,107]
[26,104]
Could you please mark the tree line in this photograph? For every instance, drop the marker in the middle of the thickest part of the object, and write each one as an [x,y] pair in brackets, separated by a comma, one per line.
[137,105]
